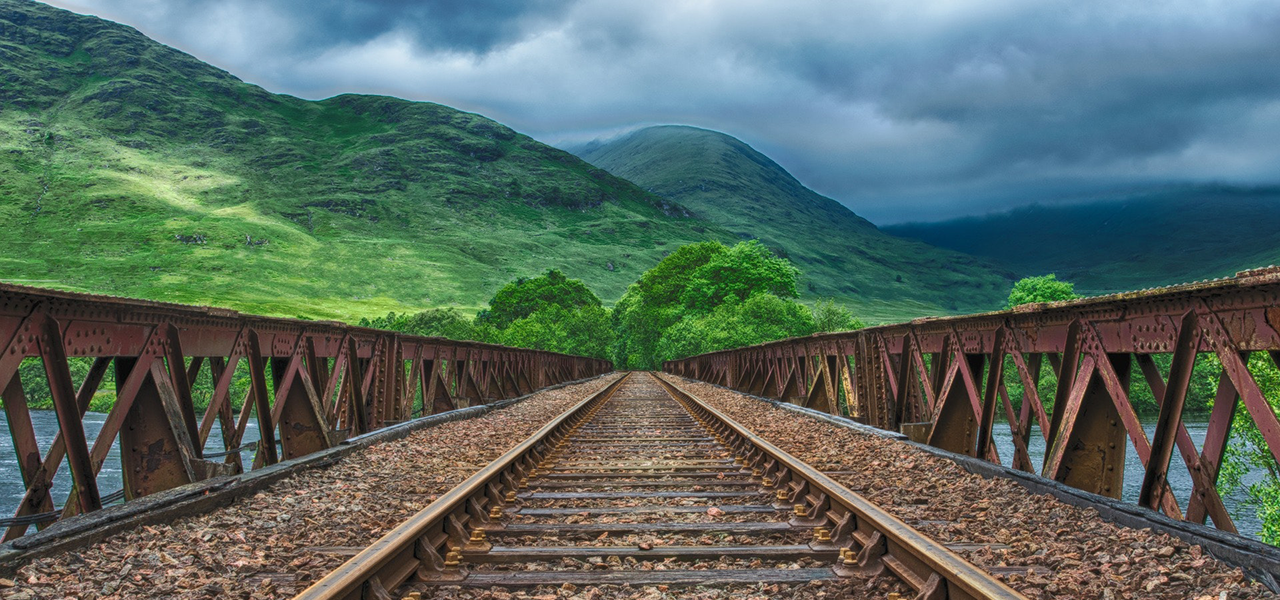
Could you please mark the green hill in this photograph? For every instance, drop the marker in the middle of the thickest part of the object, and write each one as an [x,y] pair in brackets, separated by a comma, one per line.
[726,182]
[128,167]
[1163,237]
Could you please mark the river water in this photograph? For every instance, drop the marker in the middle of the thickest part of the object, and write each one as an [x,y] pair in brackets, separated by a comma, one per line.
[1245,518]
[45,423]
[46,426]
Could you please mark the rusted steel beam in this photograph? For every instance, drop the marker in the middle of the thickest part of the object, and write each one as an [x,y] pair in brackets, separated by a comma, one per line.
[1091,345]
[329,381]
[83,472]
[1170,420]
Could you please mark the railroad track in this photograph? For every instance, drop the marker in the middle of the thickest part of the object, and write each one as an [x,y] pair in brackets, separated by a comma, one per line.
[641,484]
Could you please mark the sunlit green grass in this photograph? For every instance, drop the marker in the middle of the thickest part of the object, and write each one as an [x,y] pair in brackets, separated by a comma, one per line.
[366,204]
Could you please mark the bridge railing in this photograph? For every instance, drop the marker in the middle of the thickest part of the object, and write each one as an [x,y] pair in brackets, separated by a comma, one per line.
[942,381]
[310,385]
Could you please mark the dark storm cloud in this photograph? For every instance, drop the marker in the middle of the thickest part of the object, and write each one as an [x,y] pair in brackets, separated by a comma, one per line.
[464,25]
[901,110]
[472,26]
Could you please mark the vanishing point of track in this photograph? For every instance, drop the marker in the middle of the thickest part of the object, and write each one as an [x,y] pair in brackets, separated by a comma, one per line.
[642,484]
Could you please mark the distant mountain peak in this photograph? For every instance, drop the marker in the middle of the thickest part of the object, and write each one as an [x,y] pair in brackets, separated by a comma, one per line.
[724,180]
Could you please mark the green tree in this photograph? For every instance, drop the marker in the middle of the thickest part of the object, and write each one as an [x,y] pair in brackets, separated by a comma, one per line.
[693,283]
[584,331]
[760,318]
[653,303]
[829,316]
[746,269]
[435,322]
[525,296]
[1045,288]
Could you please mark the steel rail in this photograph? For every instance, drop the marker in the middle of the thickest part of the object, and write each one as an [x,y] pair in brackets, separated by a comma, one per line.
[415,547]
[876,541]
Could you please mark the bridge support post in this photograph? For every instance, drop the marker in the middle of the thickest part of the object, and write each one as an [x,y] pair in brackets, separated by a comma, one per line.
[955,424]
[150,453]
[297,410]
[1089,452]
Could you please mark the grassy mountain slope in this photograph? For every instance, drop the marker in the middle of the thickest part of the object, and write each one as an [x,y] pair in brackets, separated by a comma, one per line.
[128,167]
[1160,238]
[725,181]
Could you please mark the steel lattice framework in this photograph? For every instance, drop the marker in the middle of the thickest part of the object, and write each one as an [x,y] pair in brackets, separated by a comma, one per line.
[942,381]
[312,385]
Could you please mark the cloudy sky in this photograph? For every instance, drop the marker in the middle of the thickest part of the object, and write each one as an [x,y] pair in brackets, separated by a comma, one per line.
[902,110]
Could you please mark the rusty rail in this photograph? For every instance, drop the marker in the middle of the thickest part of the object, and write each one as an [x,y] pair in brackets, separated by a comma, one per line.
[942,381]
[428,549]
[876,541]
[421,546]
[328,381]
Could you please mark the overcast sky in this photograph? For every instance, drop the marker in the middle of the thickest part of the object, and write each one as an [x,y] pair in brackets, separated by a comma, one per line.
[902,110]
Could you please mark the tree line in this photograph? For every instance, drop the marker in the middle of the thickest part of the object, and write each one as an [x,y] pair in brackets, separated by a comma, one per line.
[701,298]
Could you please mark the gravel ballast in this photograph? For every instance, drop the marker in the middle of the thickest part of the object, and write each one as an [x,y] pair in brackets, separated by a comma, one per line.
[274,543]
[1069,552]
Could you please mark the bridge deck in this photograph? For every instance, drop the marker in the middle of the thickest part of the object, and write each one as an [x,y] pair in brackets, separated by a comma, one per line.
[276,542]
[1044,547]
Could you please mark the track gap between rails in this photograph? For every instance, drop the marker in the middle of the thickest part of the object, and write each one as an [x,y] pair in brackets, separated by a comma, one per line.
[642,486]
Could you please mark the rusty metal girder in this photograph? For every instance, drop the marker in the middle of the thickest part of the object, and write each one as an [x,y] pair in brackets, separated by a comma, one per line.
[312,385]
[943,380]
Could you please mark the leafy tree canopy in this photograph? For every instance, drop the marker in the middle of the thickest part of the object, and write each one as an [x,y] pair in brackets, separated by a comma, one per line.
[691,283]
[1045,288]
[525,296]
[760,318]
[746,269]
[436,322]
[652,303]
[829,316]
[664,284]
[584,331]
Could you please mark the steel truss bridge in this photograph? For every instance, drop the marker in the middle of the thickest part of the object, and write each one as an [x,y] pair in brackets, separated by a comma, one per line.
[942,381]
[328,382]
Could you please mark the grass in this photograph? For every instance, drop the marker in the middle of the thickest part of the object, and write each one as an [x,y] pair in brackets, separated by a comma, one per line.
[130,168]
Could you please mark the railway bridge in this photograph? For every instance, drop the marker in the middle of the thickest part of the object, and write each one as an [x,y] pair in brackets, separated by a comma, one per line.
[859,464]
